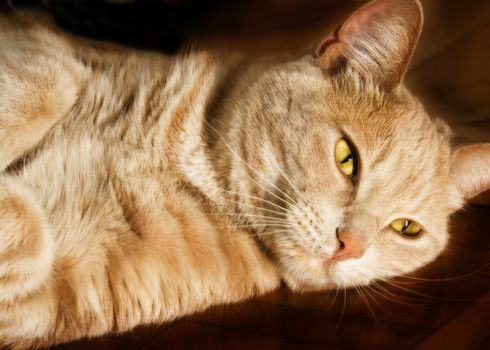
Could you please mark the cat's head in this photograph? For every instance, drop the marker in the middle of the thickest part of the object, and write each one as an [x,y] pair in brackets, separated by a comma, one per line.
[353,179]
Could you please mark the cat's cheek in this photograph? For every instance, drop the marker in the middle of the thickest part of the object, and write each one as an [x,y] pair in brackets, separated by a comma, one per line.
[399,256]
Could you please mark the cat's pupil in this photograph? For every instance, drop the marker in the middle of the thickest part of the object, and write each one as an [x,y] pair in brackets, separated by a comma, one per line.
[347,159]
[405,225]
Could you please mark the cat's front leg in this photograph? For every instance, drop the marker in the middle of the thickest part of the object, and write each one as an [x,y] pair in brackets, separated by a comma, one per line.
[39,80]
[27,301]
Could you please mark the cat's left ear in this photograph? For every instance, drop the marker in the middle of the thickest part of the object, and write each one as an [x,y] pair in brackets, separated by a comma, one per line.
[470,169]
[377,40]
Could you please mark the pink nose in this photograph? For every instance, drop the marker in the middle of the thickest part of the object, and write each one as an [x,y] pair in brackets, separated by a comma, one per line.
[349,247]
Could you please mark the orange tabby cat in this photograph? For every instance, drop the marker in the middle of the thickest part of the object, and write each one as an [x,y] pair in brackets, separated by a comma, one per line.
[136,188]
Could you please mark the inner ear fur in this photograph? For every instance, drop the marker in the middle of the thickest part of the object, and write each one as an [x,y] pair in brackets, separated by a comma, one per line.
[377,40]
[470,169]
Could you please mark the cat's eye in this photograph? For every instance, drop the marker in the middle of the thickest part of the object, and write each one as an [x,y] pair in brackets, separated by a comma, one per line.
[406,227]
[346,158]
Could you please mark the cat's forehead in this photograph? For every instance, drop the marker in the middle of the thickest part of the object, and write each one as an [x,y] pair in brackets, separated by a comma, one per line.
[390,126]
[359,105]
[385,119]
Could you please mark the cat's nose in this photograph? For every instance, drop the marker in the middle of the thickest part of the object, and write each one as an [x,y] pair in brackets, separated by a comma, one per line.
[349,247]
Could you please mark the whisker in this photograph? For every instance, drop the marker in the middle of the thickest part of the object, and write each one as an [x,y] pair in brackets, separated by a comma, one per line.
[390,295]
[282,231]
[366,302]
[343,308]
[245,215]
[255,207]
[249,225]
[258,198]
[334,298]
[426,295]
[453,278]
[292,203]
[289,180]
[380,305]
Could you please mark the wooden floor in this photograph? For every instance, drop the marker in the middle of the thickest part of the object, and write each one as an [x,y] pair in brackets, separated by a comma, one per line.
[445,306]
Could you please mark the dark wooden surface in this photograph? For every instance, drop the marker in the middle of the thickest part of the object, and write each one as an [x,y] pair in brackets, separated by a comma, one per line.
[444,306]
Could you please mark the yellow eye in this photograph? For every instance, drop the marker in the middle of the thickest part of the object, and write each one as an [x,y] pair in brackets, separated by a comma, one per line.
[406,227]
[345,157]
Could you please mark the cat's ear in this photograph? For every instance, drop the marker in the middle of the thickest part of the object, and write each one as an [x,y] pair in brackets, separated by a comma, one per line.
[470,169]
[377,40]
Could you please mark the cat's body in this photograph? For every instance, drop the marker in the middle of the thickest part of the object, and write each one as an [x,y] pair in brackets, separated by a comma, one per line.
[132,169]
[134,239]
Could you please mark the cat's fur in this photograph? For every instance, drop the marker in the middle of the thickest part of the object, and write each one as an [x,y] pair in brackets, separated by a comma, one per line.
[137,188]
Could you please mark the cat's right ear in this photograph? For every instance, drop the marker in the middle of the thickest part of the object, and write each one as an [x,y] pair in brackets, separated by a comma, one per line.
[377,40]
[470,169]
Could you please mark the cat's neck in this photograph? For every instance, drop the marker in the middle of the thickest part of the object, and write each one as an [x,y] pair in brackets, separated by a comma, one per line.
[212,152]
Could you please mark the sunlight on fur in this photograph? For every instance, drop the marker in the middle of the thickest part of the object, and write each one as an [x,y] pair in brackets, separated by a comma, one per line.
[136,188]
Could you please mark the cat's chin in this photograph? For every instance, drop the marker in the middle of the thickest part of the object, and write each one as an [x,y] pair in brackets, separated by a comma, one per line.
[308,282]
[314,275]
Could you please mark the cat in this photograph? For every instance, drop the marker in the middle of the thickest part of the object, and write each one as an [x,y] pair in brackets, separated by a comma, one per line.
[136,188]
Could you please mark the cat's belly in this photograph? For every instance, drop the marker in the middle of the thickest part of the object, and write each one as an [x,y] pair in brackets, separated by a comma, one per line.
[131,248]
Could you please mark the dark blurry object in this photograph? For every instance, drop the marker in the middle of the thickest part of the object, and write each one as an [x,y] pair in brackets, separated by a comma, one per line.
[166,25]
[159,24]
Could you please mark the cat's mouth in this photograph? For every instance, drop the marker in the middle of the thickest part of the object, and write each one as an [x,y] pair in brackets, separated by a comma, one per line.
[304,266]
[322,263]
[310,270]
